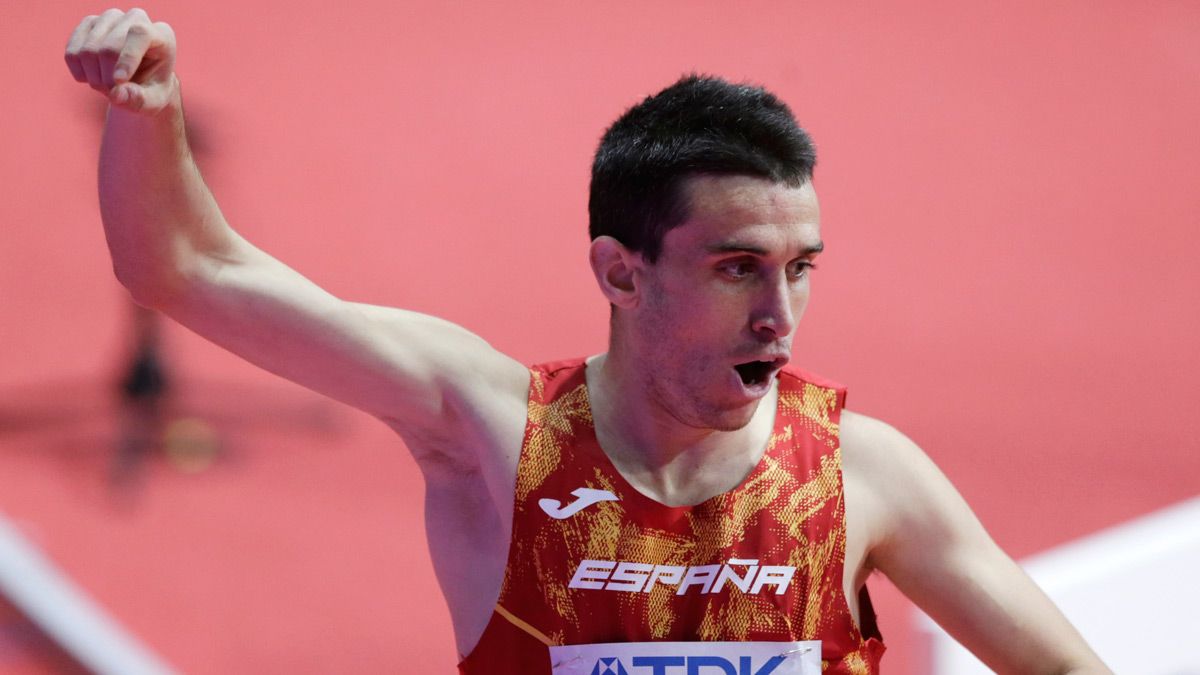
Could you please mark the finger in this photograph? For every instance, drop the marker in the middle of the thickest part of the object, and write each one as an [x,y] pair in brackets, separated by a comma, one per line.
[91,68]
[75,43]
[89,55]
[137,40]
[126,57]
[165,30]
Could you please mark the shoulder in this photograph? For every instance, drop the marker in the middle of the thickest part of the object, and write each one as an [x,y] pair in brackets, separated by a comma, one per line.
[888,460]
[896,487]
[880,453]
[873,441]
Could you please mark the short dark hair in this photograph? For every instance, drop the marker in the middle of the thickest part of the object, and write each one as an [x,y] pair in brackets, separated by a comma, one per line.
[699,125]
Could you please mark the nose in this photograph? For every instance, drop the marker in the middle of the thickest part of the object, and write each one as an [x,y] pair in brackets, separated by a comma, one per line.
[775,314]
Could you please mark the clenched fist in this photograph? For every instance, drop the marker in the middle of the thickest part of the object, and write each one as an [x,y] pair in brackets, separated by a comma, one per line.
[127,57]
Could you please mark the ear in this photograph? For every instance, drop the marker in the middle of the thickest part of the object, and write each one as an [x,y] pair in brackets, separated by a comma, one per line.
[616,269]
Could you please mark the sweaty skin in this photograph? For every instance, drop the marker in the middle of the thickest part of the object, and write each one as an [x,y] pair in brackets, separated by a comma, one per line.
[730,286]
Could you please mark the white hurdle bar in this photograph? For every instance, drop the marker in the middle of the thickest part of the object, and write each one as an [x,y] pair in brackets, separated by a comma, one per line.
[66,614]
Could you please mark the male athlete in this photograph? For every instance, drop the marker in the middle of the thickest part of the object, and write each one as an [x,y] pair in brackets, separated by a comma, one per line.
[685,486]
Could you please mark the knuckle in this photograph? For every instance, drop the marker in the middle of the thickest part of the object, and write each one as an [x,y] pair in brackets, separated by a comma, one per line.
[109,50]
[80,33]
[138,30]
[138,12]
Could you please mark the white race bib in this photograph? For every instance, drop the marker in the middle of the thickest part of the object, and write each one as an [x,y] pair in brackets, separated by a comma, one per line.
[688,658]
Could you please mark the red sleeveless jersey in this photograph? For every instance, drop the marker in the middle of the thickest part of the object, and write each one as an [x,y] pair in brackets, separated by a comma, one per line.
[762,562]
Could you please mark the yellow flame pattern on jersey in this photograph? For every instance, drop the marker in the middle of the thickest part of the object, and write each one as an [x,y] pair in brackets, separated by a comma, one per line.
[789,511]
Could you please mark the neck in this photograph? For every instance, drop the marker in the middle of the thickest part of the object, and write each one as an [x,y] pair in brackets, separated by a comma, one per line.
[664,458]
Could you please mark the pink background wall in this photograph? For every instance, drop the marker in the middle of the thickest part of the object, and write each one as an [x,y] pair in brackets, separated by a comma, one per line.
[1010,204]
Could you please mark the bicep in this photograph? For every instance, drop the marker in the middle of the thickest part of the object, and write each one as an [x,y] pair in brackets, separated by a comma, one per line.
[408,368]
[934,549]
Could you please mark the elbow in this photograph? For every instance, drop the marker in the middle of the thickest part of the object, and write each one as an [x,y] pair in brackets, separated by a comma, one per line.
[149,290]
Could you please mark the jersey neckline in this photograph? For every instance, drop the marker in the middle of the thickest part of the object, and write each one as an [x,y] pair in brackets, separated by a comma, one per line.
[719,501]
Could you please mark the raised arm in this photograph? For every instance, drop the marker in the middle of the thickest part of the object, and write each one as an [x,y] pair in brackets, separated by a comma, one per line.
[923,536]
[171,247]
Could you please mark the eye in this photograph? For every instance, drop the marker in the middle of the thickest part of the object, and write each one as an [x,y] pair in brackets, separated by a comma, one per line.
[798,269]
[737,269]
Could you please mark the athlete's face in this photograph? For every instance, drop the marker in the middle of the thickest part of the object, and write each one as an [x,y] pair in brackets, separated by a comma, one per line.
[717,311]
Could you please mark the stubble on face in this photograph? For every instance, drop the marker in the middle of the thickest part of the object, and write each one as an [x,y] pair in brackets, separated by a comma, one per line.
[676,372]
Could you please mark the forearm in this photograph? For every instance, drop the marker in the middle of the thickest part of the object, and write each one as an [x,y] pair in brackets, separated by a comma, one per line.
[160,220]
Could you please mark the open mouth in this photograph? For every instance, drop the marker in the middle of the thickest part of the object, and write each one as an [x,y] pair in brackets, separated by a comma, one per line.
[755,372]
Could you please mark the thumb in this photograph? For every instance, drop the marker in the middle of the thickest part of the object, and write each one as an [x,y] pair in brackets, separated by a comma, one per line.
[138,98]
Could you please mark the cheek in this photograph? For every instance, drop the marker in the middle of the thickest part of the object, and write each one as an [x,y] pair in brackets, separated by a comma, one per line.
[686,316]
[800,304]
[685,305]
[800,296]
[714,316]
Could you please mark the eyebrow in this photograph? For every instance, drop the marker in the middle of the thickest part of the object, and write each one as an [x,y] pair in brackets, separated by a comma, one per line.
[738,247]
